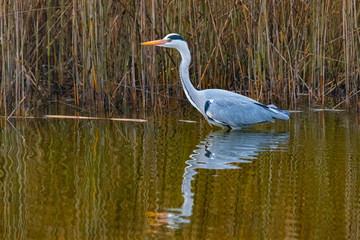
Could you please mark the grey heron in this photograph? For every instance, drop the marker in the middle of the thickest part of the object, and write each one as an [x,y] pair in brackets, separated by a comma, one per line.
[219,107]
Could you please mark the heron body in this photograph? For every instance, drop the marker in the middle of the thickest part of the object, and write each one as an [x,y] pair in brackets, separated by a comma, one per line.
[219,107]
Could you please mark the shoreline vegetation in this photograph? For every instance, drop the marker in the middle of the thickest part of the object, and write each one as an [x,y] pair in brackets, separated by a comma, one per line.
[87,53]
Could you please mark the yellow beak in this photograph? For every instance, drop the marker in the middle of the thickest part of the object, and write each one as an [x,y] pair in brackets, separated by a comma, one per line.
[156,42]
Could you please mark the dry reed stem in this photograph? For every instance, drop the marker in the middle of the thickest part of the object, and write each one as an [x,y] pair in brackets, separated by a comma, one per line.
[274,51]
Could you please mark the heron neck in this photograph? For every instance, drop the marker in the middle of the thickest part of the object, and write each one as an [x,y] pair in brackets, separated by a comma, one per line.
[189,89]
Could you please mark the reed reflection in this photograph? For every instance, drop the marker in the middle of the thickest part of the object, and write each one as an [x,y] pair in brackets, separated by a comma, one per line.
[222,151]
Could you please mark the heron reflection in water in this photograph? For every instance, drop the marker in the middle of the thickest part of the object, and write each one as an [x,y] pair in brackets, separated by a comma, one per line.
[222,150]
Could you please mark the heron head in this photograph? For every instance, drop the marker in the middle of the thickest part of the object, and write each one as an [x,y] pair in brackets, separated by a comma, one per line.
[172,40]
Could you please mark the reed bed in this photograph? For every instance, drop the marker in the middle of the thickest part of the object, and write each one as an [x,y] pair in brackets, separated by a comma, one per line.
[88,52]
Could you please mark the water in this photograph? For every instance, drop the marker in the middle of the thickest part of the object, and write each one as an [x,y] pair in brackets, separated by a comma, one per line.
[166,179]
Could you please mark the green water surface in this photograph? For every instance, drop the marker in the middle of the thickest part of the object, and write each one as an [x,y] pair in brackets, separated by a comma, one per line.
[169,179]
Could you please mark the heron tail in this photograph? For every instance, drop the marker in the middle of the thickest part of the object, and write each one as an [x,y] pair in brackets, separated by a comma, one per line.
[278,113]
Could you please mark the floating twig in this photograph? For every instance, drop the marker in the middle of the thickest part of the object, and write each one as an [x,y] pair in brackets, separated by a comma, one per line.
[95,118]
[187,121]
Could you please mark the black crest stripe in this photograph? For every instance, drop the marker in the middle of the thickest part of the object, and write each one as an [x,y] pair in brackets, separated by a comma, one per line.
[176,37]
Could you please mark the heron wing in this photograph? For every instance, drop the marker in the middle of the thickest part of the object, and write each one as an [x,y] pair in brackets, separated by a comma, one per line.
[235,111]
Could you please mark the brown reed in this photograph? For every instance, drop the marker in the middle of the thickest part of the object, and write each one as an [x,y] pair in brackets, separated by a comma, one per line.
[282,52]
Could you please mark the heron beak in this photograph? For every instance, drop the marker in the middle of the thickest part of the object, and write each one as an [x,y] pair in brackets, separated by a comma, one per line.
[155,43]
